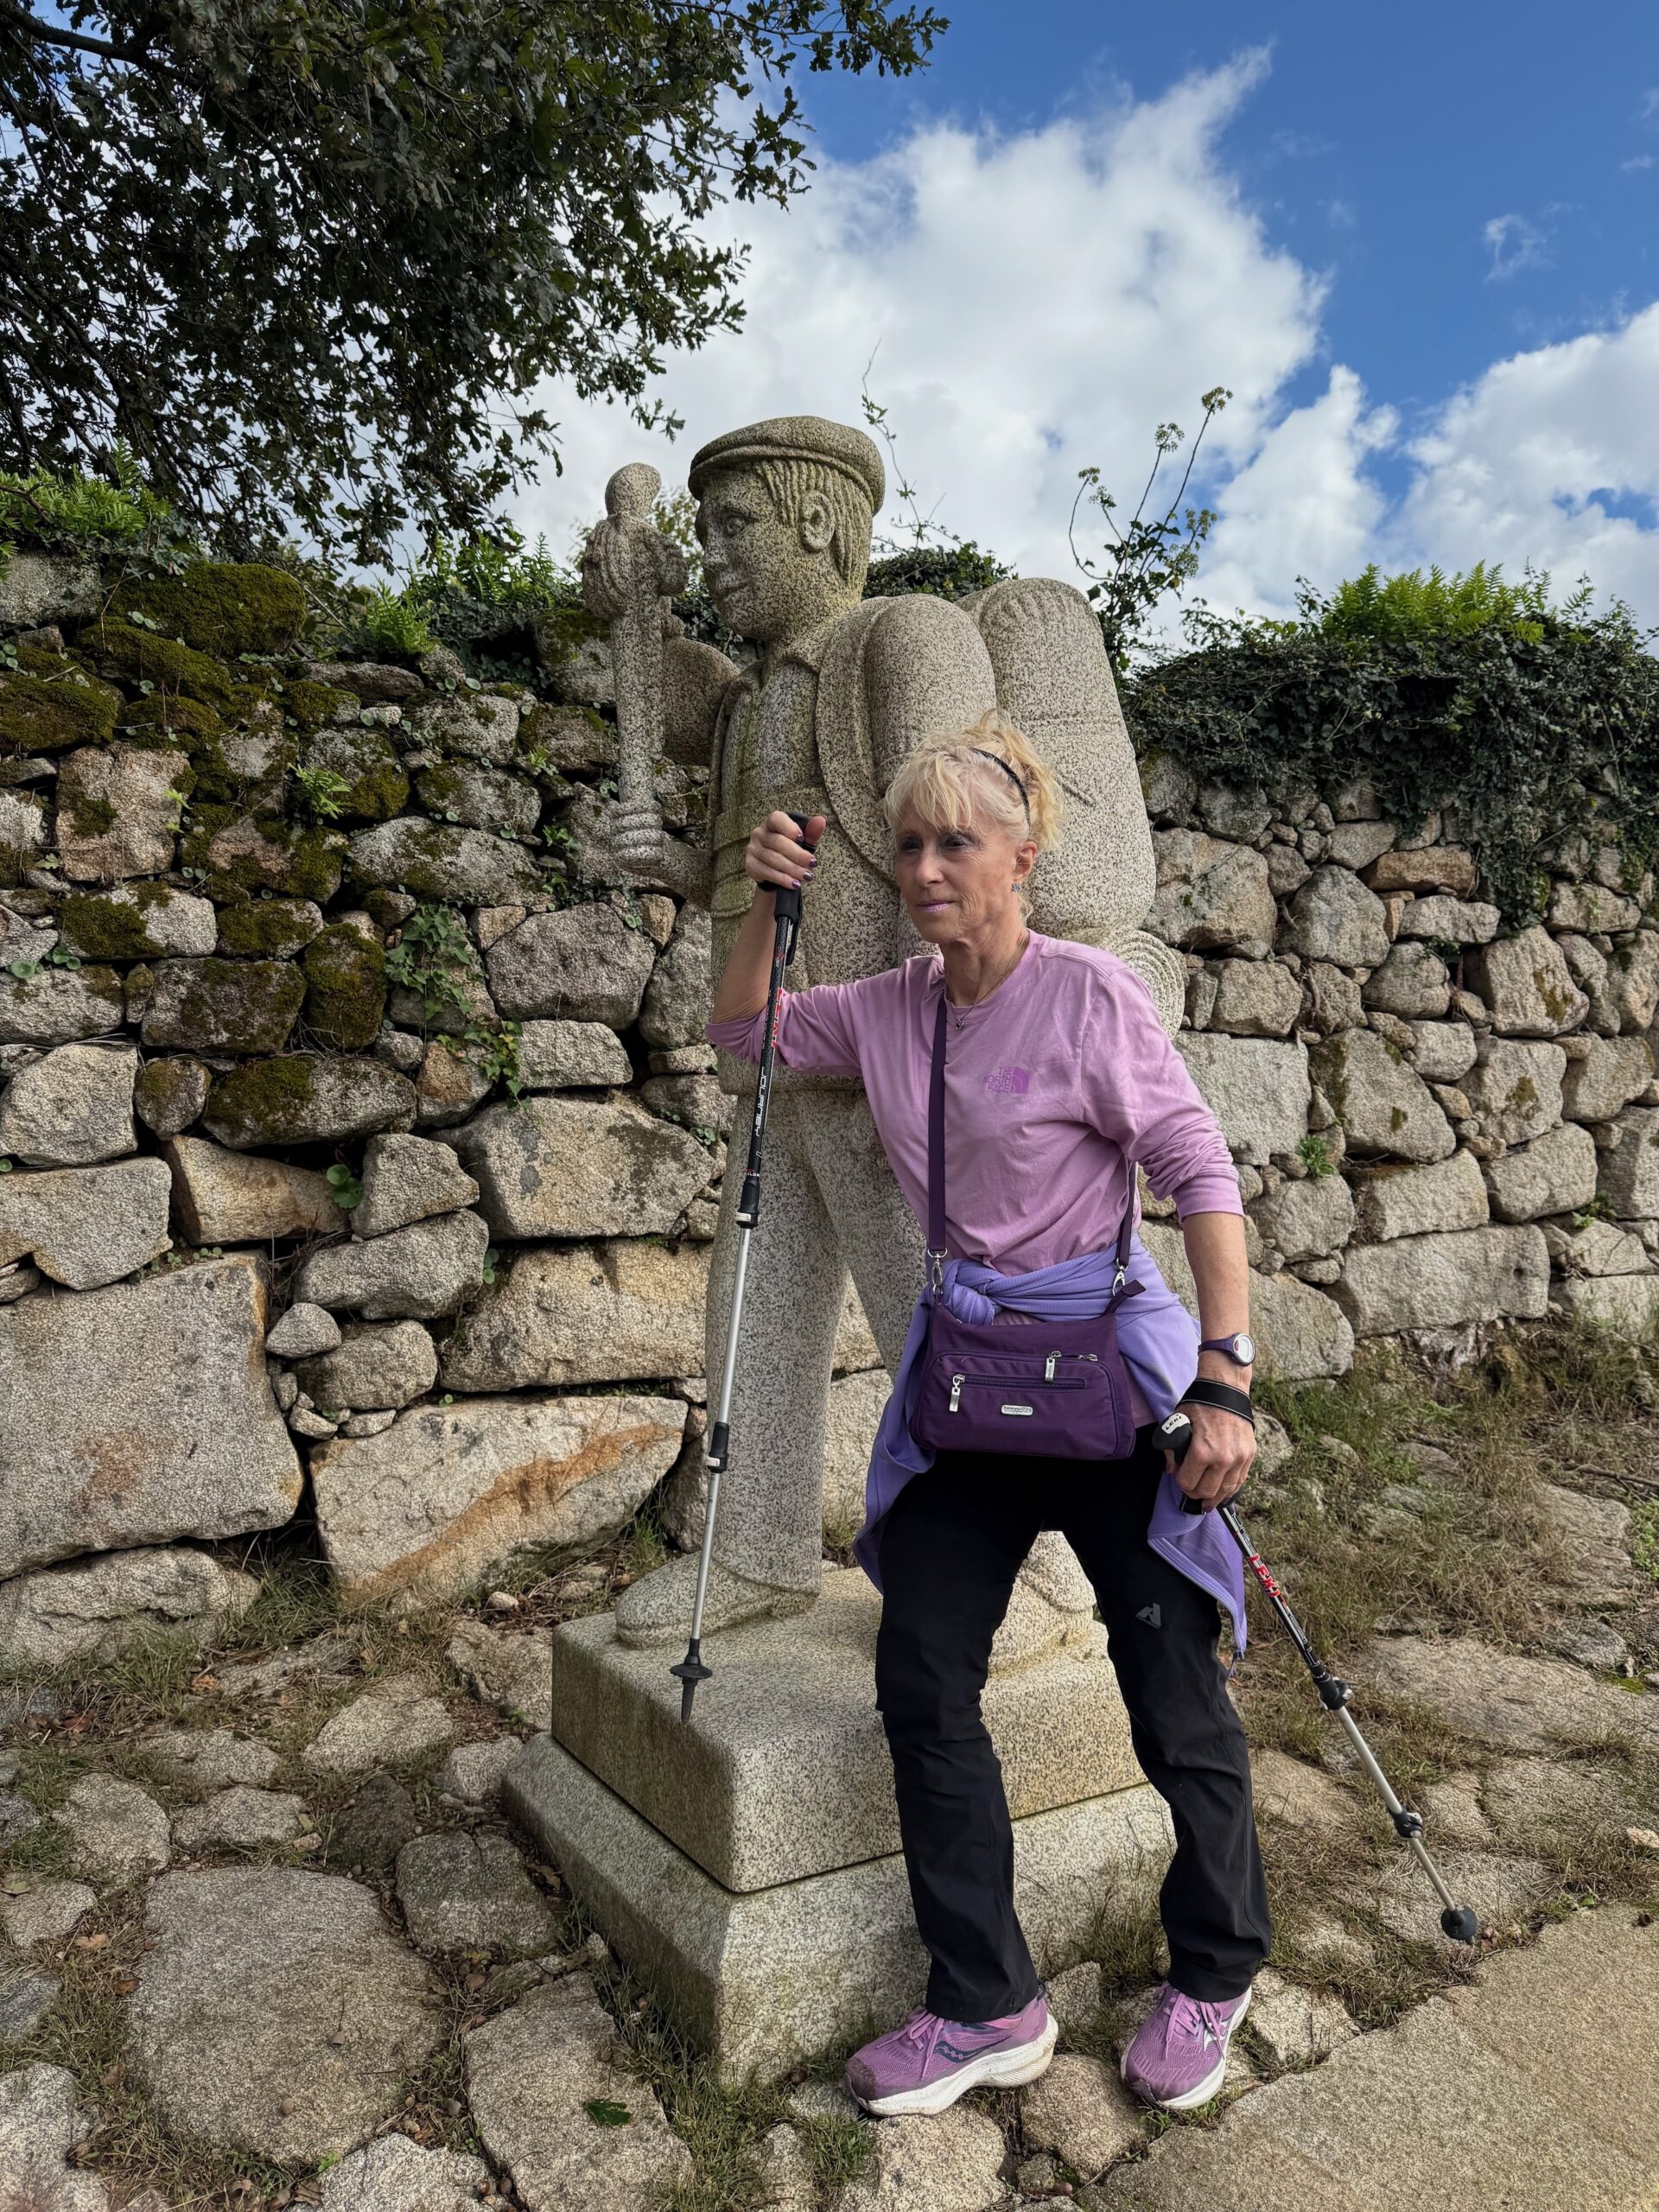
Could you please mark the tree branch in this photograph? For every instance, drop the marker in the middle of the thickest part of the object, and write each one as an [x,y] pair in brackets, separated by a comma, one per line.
[54,35]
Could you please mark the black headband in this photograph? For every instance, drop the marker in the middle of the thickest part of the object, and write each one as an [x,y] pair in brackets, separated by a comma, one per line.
[1024,796]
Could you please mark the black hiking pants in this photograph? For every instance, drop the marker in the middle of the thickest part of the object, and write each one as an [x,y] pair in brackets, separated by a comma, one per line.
[952,1547]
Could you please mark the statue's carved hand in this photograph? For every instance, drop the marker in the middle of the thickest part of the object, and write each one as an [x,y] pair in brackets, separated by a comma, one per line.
[621,559]
[634,835]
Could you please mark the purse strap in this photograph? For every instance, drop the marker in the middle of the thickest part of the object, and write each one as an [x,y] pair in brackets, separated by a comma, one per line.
[936,1254]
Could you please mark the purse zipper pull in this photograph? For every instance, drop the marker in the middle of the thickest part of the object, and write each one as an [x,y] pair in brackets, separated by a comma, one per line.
[1048,1367]
[955,1394]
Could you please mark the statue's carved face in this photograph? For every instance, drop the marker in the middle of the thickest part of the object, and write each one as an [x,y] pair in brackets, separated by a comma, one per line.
[770,577]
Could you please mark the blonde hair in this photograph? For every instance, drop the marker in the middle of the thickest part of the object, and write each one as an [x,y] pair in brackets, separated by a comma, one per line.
[947,779]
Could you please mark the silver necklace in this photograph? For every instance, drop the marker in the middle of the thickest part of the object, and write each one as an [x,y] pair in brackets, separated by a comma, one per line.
[959,1014]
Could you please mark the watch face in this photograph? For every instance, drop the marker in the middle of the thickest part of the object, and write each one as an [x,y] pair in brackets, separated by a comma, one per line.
[1245,1349]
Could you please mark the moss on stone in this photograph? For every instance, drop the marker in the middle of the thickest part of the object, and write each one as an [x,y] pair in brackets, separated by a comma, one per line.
[86,816]
[344,987]
[104,928]
[235,1006]
[263,853]
[186,721]
[223,607]
[267,1102]
[49,714]
[142,657]
[376,786]
[267,929]
[310,704]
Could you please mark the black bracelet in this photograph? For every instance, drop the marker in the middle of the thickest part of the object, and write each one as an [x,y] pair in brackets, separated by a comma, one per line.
[1201,1391]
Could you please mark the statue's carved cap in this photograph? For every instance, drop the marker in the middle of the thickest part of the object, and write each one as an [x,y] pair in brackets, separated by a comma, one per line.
[794,437]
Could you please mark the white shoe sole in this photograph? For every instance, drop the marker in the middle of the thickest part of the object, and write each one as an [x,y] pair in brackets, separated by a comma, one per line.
[1206,2089]
[1004,2068]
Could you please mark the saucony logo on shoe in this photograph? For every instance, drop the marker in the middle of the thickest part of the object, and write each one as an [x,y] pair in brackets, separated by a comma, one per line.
[1152,1616]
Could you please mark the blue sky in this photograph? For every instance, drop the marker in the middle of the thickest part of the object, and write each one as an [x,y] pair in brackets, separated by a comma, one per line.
[1424,252]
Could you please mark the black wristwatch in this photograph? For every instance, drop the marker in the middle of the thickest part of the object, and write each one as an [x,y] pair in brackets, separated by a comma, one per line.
[1239,1348]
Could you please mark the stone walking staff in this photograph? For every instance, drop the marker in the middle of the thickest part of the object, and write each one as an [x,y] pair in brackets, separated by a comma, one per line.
[630,573]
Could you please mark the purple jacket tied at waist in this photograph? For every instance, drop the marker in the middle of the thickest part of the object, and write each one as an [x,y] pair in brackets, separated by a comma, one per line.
[1159,1343]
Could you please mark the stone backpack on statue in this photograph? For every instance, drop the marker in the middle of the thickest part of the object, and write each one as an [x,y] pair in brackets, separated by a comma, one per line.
[1046,1389]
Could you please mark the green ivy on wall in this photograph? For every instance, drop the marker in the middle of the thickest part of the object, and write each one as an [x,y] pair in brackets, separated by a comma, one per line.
[1533,724]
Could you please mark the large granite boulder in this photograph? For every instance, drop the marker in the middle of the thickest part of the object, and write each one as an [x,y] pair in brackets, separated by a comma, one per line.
[409,1178]
[307,1098]
[372,1368]
[1527,988]
[1209,893]
[107,1604]
[118,811]
[1555,1174]
[139,1414]
[222,1196]
[583,963]
[608,1313]
[559,1166]
[415,1273]
[1335,917]
[1614,1071]
[1306,1220]
[1413,981]
[1515,1087]
[1385,1108]
[441,860]
[1437,1281]
[1446,1194]
[571,1055]
[87,1226]
[60,1005]
[449,1492]
[1257,1088]
[223,1005]
[71,1109]
[138,921]
[276,2013]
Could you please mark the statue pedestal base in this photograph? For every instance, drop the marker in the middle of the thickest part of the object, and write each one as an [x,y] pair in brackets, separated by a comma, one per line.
[747,1867]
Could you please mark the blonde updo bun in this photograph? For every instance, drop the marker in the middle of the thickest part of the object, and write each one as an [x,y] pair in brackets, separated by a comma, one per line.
[946,780]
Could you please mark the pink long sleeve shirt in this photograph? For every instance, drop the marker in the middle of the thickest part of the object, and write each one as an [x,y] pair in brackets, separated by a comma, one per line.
[1059,1085]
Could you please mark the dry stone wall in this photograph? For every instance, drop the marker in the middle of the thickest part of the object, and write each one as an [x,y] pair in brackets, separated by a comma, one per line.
[364,1148]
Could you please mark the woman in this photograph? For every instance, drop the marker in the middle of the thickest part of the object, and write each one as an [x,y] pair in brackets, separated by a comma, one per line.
[1058,1082]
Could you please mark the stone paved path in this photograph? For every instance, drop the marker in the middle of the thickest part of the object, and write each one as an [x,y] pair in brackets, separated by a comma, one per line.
[1536,2090]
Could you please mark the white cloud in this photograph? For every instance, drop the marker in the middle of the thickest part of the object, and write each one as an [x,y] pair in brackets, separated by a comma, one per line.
[1516,244]
[1551,457]
[1040,300]
[1302,505]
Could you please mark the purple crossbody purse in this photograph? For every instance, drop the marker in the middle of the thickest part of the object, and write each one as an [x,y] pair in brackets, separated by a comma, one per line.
[1043,1390]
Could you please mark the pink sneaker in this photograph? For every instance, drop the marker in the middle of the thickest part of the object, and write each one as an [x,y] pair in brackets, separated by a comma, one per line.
[925,2066]
[1179,2057]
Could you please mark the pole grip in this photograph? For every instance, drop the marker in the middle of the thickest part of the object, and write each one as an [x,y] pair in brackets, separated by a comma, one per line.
[786,896]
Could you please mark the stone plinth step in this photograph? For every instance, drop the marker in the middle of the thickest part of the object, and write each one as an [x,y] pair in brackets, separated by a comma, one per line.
[769,1977]
[783,1771]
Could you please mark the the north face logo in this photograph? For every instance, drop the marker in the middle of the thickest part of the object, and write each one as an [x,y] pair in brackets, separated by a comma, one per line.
[1151,1615]
[1014,1079]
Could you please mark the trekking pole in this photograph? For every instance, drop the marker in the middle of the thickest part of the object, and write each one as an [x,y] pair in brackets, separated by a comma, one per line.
[786,915]
[1458,1921]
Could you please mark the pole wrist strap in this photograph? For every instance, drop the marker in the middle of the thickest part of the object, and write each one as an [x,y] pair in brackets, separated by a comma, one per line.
[1201,1391]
